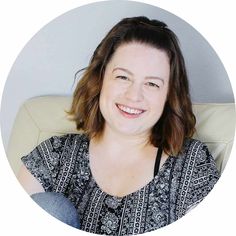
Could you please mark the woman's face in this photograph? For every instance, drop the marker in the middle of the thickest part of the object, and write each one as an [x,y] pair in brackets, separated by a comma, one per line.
[134,89]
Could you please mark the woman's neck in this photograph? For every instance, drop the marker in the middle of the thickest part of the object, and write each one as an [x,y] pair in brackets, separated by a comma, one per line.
[117,143]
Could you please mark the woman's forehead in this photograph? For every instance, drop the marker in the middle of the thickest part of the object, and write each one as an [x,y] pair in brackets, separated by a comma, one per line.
[140,58]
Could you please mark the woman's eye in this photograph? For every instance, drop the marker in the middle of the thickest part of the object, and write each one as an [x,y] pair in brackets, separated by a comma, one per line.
[122,77]
[150,84]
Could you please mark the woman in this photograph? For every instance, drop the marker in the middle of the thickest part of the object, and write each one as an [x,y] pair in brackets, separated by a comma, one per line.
[135,168]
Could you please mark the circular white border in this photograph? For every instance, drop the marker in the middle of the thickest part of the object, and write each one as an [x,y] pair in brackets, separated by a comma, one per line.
[20,20]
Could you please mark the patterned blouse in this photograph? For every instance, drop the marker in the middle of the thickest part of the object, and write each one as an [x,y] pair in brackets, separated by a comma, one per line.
[61,164]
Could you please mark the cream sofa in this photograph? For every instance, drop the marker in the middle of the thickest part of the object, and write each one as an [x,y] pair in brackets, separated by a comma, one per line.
[42,117]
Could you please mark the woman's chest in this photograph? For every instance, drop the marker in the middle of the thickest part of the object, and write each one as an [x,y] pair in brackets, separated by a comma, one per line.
[122,177]
[139,212]
[147,209]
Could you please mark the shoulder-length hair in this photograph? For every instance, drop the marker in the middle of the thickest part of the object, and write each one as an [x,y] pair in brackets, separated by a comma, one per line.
[177,121]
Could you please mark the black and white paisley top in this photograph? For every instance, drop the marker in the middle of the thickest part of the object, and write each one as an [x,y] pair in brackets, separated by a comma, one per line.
[61,164]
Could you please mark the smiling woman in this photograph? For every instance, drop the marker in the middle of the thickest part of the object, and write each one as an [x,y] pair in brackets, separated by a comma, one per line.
[135,168]
[157,41]
[135,79]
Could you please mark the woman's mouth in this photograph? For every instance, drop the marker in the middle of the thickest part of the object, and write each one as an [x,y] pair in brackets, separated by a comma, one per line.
[129,112]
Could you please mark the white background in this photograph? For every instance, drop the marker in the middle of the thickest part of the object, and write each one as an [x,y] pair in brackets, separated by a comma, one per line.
[20,20]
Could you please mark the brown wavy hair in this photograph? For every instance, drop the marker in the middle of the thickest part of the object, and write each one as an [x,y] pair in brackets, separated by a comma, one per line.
[177,121]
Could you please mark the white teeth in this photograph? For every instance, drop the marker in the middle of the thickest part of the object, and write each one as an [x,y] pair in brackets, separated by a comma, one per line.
[130,110]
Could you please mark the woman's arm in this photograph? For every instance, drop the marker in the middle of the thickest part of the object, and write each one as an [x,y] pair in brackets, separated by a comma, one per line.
[29,182]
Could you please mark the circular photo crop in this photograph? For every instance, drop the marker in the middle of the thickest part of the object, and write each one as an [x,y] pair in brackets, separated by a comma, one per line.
[118,118]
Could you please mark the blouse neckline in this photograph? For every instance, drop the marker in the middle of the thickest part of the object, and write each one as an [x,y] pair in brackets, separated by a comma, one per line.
[161,170]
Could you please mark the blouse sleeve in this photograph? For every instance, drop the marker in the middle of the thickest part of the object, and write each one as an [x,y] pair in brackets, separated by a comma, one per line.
[203,178]
[44,161]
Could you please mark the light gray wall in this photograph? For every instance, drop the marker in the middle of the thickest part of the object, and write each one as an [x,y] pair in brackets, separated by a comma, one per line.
[48,62]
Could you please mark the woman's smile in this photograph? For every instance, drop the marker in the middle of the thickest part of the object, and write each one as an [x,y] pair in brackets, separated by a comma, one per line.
[129,112]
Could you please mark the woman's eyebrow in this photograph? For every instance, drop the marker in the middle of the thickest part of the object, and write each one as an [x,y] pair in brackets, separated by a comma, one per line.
[123,69]
[130,73]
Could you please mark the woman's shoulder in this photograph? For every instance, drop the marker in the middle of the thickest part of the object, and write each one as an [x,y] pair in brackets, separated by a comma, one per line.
[197,154]
[191,143]
[60,143]
[194,147]
[70,136]
[60,140]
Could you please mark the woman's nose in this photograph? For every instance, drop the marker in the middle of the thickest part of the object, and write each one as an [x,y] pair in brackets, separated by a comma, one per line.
[134,93]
